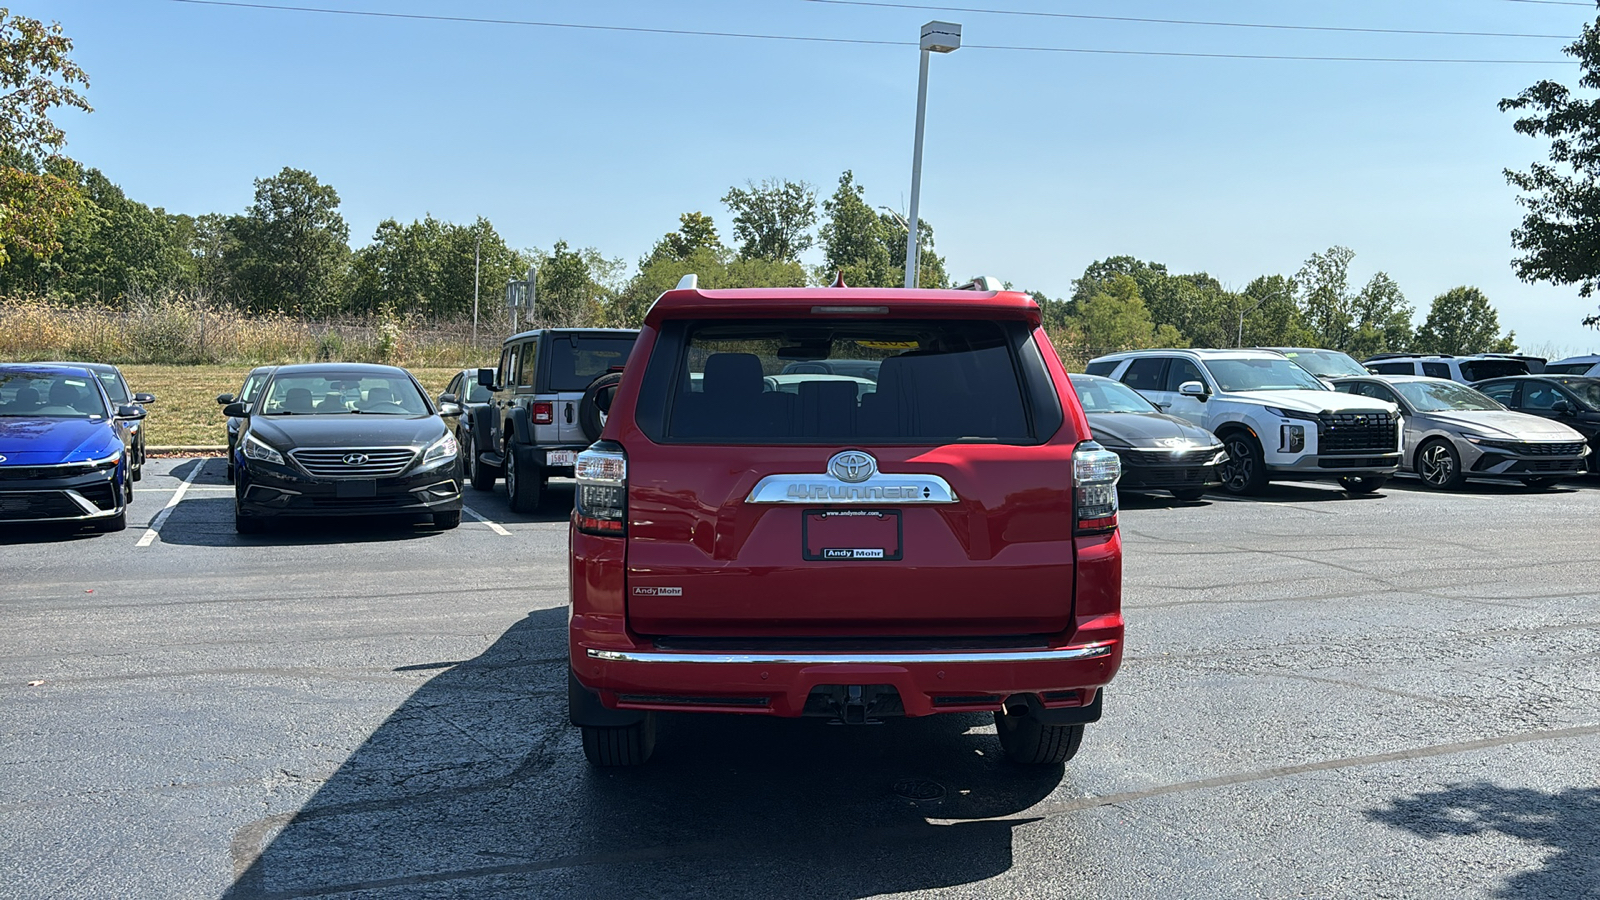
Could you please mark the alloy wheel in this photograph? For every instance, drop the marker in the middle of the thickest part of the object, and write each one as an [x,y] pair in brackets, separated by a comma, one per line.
[1240,466]
[1438,466]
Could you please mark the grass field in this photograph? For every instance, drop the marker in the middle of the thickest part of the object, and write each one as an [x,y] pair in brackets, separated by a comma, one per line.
[186,412]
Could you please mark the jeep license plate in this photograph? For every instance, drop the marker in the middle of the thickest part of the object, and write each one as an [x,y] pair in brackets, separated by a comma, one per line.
[840,534]
[560,457]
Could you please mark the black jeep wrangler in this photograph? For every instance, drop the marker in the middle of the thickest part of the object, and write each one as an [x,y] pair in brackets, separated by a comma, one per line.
[551,392]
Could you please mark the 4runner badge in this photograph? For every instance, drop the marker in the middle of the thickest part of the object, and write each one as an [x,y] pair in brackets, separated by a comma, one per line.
[658,592]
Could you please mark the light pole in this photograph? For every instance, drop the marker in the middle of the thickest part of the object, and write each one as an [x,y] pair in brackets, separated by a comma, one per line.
[477,262]
[1244,312]
[937,37]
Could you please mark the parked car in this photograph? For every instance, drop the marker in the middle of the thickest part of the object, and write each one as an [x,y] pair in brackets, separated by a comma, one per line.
[536,421]
[1575,365]
[1453,433]
[465,391]
[945,543]
[247,394]
[344,439]
[1464,369]
[1158,451]
[1572,400]
[116,388]
[1277,421]
[1322,363]
[64,456]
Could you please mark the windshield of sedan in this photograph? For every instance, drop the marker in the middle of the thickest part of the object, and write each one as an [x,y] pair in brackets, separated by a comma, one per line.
[1103,395]
[1438,396]
[49,396]
[1276,374]
[114,386]
[335,393]
[1587,389]
[1326,363]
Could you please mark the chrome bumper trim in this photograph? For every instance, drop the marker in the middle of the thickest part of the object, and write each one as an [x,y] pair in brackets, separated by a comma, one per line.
[1060,654]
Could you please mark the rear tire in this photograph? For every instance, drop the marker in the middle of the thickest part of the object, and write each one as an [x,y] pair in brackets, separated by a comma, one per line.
[630,745]
[1245,471]
[447,520]
[1362,484]
[523,479]
[1189,494]
[1029,742]
[1541,484]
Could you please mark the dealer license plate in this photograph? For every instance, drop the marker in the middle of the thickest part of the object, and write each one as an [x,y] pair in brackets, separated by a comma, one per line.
[840,534]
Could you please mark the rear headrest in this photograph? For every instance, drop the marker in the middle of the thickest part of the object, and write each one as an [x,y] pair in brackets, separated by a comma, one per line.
[733,375]
[26,397]
[63,394]
[380,395]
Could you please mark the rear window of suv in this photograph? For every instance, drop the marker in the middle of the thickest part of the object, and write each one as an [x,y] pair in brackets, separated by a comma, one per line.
[577,360]
[1479,369]
[884,382]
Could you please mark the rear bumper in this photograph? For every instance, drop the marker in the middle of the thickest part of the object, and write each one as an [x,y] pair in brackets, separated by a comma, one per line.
[781,684]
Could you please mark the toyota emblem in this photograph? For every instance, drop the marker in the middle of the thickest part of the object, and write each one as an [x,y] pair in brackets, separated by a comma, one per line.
[355,459]
[852,466]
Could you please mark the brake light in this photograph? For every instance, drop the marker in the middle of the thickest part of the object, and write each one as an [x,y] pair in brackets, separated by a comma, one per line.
[601,505]
[1095,471]
[544,413]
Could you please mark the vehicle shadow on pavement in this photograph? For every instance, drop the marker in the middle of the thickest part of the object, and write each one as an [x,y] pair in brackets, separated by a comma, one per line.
[1292,492]
[1567,822]
[1137,500]
[208,522]
[477,786]
[1495,488]
[43,533]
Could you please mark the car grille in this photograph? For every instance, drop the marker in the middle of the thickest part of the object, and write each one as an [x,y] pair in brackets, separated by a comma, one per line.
[1167,475]
[1357,432]
[1168,457]
[38,505]
[381,463]
[103,495]
[1536,448]
[40,473]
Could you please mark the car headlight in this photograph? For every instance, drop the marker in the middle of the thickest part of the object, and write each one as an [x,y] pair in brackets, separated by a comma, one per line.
[255,448]
[106,462]
[1292,413]
[444,448]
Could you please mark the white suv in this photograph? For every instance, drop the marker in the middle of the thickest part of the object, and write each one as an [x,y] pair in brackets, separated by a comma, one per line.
[1575,365]
[1464,369]
[1277,421]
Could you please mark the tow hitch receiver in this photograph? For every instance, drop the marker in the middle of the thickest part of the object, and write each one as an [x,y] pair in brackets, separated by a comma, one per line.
[854,704]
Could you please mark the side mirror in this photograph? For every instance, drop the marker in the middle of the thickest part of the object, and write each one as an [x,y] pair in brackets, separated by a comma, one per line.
[1562,407]
[451,410]
[129,411]
[236,410]
[486,378]
[448,397]
[1194,389]
[224,399]
[142,399]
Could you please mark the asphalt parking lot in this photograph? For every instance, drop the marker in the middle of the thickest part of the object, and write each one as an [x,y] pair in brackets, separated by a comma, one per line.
[1323,696]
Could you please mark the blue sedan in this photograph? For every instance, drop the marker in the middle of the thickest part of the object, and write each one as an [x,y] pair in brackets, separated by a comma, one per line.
[63,456]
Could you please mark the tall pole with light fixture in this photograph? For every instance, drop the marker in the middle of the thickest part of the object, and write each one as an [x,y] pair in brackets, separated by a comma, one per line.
[477,268]
[937,37]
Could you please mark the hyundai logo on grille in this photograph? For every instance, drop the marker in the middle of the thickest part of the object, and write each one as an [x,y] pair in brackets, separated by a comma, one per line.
[355,459]
[2,459]
[852,466]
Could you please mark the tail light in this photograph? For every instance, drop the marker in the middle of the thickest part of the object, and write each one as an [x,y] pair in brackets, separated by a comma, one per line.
[1095,471]
[544,413]
[602,500]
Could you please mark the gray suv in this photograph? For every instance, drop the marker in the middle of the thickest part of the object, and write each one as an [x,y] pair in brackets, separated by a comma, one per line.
[547,403]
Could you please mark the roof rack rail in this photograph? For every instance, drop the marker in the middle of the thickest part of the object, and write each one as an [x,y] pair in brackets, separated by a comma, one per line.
[983,283]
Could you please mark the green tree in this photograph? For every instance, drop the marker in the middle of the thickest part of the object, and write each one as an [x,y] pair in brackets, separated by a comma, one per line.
[1325,299]
[1195,305]
[575,287]
[772,220]
[1559,238]
[930,265]
[696,232]
[37,76]
[854,241]
[289,250]
[1382,318]
[1115,318]
[1461,320]
[1271,314]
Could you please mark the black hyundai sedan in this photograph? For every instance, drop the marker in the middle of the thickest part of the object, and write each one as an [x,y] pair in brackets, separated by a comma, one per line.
[1158,452]
[344,439]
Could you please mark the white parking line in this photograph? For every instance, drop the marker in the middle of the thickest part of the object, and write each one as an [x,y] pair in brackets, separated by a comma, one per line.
[493,526]
[161,517]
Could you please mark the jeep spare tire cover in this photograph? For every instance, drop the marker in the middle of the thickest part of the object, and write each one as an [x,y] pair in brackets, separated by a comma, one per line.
[596,404]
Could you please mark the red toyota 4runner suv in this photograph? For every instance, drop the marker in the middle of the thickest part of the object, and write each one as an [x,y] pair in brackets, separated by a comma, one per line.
[844,502]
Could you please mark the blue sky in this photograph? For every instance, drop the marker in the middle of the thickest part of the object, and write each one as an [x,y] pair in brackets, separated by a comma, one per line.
[1036,163]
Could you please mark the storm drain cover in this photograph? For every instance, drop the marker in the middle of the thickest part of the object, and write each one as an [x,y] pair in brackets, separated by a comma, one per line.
[919,791]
